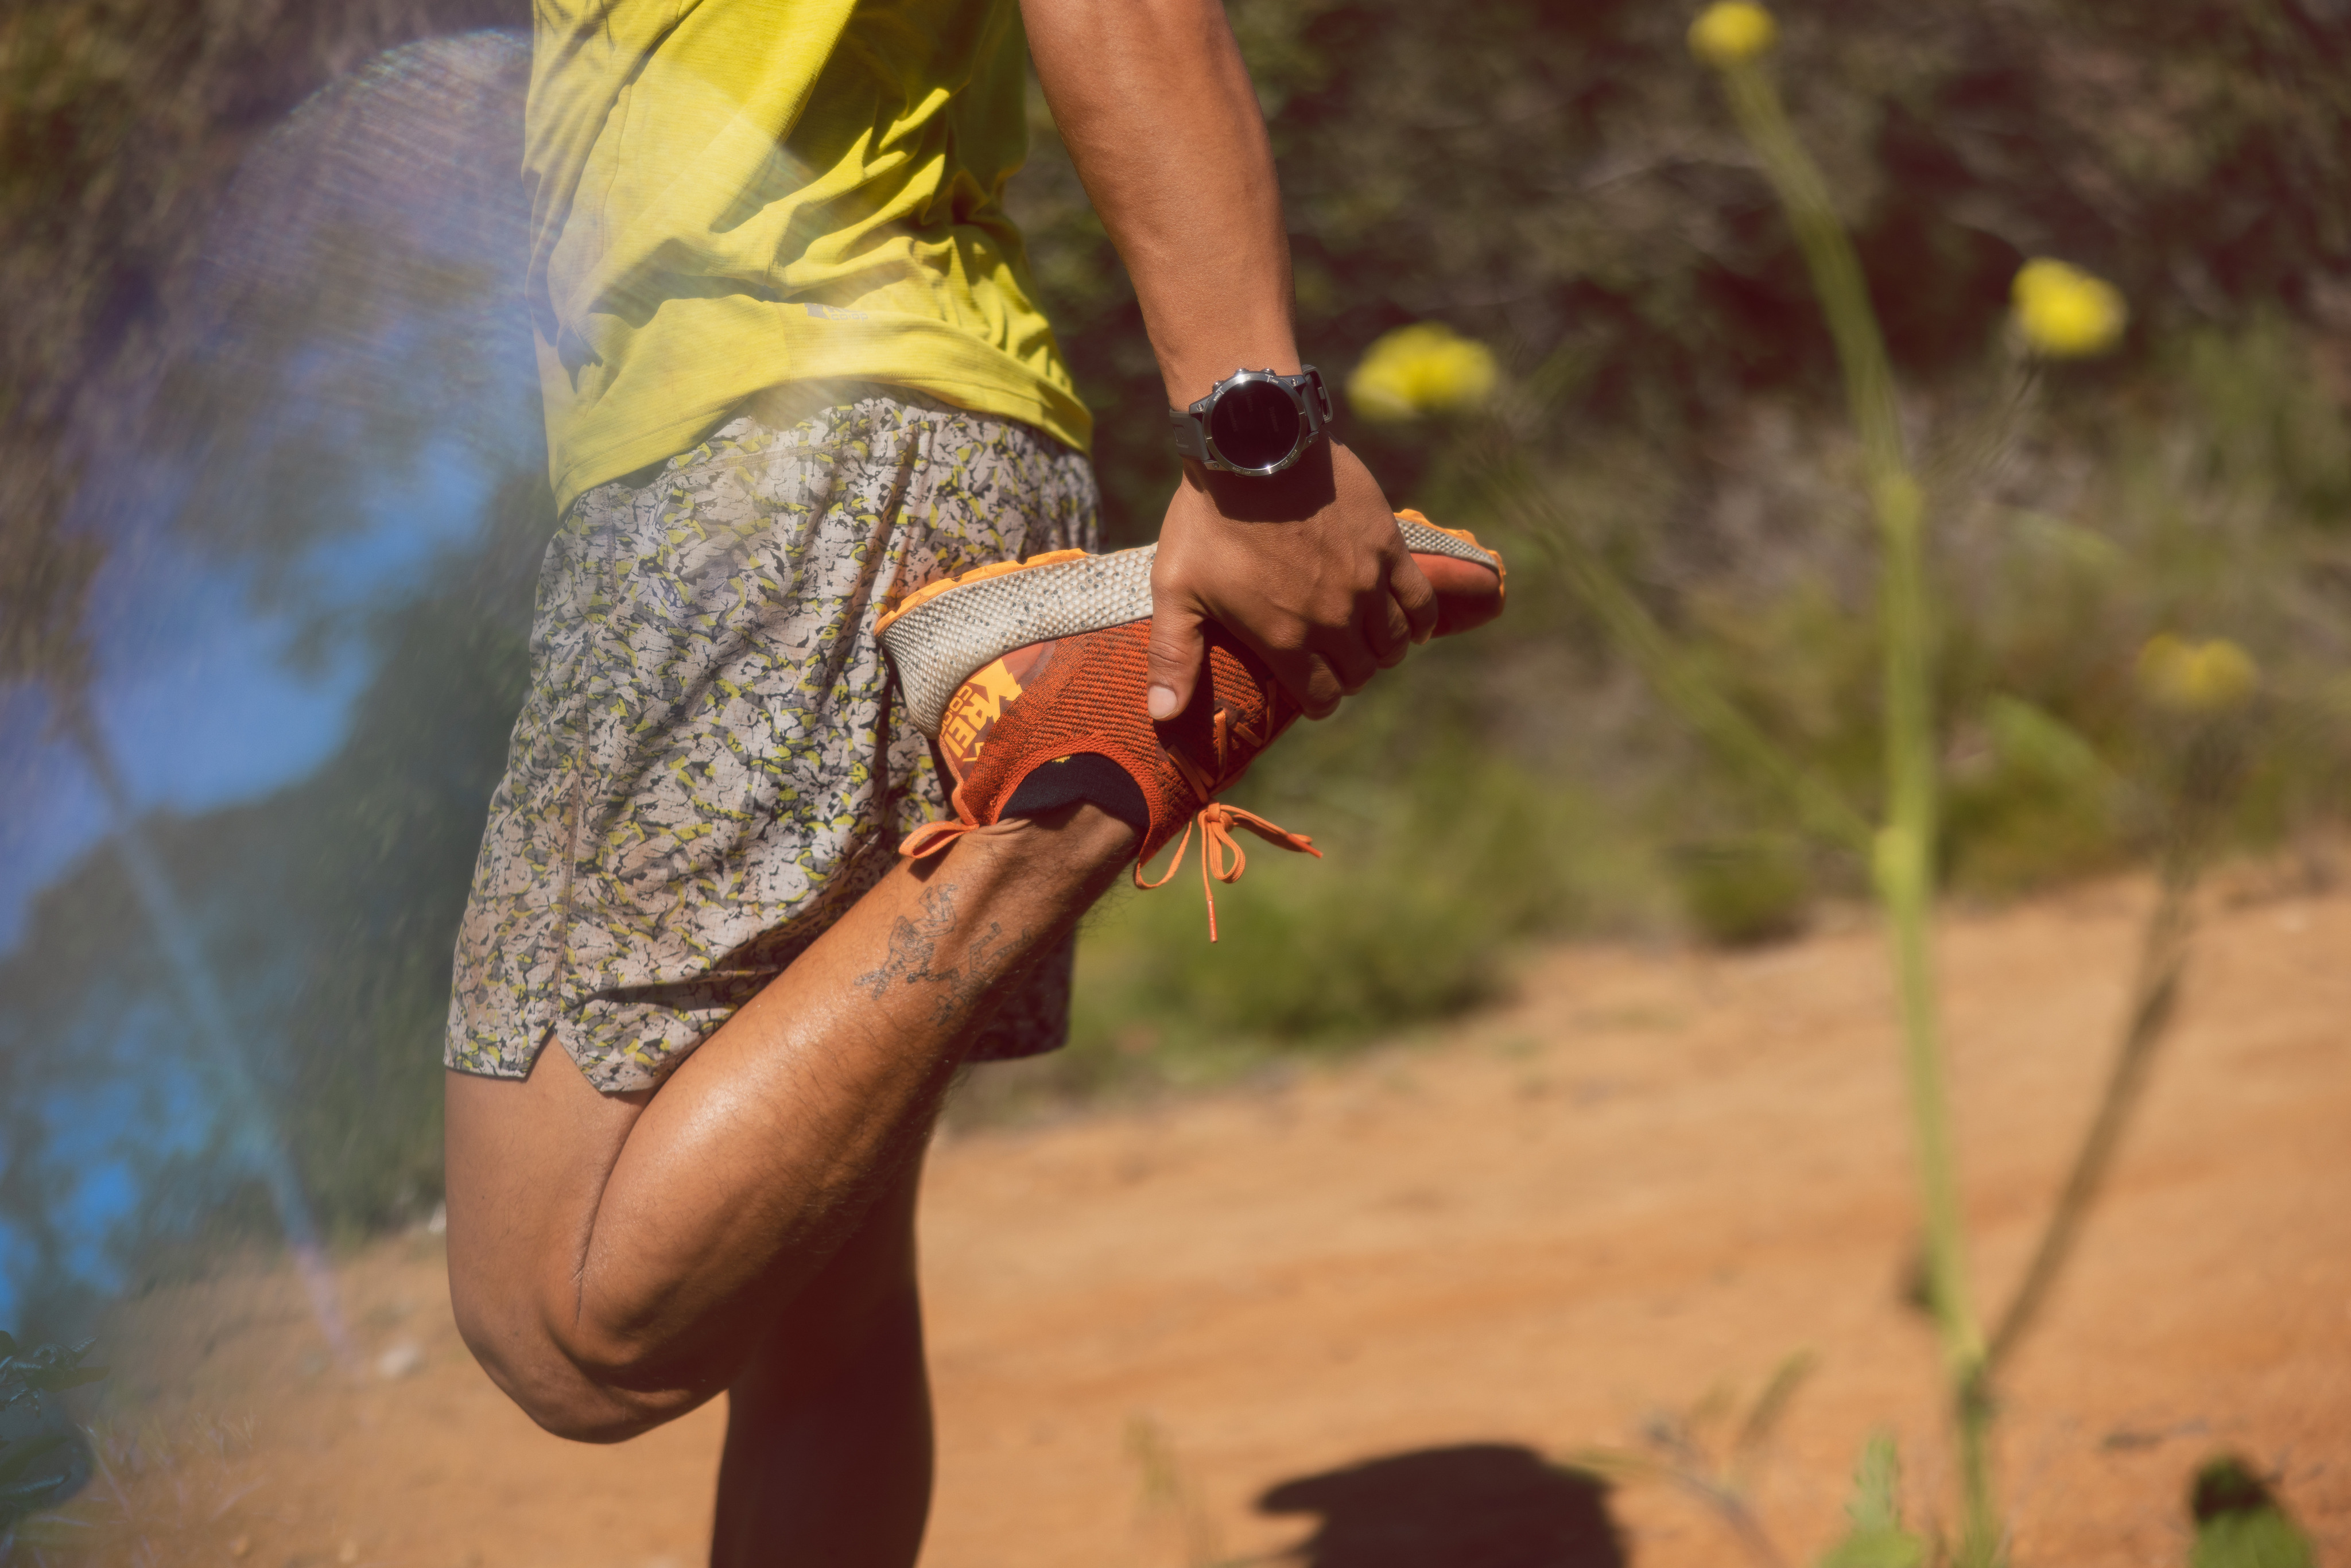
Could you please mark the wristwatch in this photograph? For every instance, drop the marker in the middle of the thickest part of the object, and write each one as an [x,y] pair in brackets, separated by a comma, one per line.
[1254,422]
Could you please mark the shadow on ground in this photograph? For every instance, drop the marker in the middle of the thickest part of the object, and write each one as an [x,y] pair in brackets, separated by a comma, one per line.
[1481,1505]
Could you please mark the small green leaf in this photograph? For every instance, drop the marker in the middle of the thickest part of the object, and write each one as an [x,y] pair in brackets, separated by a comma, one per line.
[1877,1539]
[2266,1539]
[1877,1487]
[1773,1403]
[1876,1549]
[2038,743]
[2239,1525]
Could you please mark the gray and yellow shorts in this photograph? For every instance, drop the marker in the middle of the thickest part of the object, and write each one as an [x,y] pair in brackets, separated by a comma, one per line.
[713,763]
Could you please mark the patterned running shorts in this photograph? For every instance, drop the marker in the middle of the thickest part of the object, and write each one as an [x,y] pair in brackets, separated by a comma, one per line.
[713,763]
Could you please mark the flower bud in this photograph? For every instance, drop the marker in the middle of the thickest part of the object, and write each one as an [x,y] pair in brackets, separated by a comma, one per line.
[2196,677]
[2065,312]
[1424,369]
[1732,31]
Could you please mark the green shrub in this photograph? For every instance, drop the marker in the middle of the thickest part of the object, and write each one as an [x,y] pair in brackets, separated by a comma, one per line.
[1740,892]
[1411,915]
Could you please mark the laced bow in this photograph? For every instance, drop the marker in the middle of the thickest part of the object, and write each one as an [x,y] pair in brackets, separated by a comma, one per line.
[1222,858]
[1221,855]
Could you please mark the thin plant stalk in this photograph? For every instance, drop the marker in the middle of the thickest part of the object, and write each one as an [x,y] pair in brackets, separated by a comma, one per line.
[2210,767]
[1903,858]
[2163,957]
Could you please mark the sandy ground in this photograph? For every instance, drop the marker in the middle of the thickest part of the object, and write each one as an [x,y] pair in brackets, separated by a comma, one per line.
[1385,1287]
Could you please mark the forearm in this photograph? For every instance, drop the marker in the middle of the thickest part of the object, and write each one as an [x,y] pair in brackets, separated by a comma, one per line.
[1156,106]
[1155,103]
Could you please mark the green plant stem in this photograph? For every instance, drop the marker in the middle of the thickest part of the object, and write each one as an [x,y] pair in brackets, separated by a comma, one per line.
[1828,254]
[1904,858]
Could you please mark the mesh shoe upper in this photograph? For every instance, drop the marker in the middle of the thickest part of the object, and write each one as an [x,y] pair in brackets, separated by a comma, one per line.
[943,632]
[1016,666]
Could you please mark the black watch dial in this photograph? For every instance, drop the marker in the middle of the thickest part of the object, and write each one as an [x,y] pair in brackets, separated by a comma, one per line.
[1255,424]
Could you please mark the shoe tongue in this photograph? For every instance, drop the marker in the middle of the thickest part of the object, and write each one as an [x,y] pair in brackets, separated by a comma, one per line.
[984,697]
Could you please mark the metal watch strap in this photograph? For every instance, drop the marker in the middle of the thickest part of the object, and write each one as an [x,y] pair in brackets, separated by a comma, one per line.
[1191,440]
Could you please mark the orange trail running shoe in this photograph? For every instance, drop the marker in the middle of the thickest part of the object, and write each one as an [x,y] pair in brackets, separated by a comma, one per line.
[1022,665]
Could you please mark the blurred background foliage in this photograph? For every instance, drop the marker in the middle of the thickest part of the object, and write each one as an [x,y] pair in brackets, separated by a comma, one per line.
[1555,182]
[1558,183]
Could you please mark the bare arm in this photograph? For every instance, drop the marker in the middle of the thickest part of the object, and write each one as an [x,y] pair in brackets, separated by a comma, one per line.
[1157,108]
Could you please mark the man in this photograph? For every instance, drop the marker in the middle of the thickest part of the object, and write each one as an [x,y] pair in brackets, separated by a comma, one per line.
[793,373]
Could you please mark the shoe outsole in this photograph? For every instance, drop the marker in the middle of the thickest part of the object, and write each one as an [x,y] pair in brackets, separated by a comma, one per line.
[946,631]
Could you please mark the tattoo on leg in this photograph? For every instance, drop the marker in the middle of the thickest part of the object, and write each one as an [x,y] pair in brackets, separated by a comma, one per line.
[914,954]
[914,944]
[963,985]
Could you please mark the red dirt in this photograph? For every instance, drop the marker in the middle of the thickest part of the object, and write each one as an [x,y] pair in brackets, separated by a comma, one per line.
[1658,1173]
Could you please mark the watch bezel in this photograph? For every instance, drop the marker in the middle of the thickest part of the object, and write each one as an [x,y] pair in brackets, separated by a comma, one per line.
[1307,395]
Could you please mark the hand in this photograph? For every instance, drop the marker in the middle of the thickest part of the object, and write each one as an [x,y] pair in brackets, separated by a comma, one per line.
[1308,568]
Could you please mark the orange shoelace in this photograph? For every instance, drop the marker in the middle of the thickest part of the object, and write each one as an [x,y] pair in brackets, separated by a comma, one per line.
[1221,855]
[931,837]
[1222,858]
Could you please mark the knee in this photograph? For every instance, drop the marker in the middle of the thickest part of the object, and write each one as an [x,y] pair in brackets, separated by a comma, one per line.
[570,1384]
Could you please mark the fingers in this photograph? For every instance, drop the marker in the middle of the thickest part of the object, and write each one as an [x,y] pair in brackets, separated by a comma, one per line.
[1403,611]
[1177,648]
[1349,655]
[1318,696]
[1414,597]
[1329,598]
[1340,661]
[1385,631]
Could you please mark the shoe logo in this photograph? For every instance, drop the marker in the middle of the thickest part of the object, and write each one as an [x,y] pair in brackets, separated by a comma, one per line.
[982,700]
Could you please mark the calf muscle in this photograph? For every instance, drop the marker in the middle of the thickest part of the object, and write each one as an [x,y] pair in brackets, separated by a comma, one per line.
[614,1259]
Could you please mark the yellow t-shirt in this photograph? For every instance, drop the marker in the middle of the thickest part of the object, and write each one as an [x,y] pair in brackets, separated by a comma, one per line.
[730,195]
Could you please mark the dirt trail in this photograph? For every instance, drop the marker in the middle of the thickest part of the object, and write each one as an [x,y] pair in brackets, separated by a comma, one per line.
[1657,1174]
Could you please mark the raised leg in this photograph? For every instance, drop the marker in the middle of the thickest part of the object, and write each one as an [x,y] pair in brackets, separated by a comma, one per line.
[615,1260]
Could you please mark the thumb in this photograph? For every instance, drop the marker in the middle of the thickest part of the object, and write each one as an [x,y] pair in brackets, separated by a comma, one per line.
[1177,648]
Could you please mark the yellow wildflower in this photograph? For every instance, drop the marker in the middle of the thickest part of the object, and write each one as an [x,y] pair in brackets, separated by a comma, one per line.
[1426,368]
[1732,31]
[2196,677]
[2066,313]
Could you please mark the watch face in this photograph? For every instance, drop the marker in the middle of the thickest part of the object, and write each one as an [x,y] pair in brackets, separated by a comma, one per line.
[1254,424]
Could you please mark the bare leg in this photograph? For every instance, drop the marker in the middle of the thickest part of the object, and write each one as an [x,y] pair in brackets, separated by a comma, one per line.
[616,1260]
[827,1456]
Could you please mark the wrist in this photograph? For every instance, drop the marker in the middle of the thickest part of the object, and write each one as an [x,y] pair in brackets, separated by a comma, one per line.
[1214,335]
[1219,502]
[1194,376]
